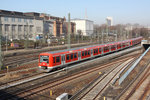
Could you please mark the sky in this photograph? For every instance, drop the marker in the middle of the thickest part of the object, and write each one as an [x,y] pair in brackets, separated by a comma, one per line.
[122,11]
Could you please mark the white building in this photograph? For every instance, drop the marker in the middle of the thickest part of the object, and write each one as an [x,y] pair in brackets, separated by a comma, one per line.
[84,26]
[109,21]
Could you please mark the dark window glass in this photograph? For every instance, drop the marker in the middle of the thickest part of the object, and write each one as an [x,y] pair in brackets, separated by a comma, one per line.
[99,49]
[85,53]
[106,48]
[44,59]
[57,59]
[68,57]
[71,56]
[96,50]
[82,53]
[89,52]
[75,55]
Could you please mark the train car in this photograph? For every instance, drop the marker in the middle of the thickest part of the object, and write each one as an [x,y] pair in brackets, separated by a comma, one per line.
[61,58]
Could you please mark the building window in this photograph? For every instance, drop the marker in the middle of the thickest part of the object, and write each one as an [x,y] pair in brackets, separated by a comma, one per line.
[19,28]
[38,29]
[25,20]
[6,19]
[13,28]
[30,20]
[13,19]
[31,28]
[25,28]
[6,28]
[19,19]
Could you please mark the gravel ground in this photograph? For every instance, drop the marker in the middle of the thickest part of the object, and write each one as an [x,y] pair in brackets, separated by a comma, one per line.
[114,91]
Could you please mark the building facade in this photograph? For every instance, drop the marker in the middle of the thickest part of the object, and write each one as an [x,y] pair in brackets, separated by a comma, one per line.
[109,21]
[18,25]
[84,26]
[60,26]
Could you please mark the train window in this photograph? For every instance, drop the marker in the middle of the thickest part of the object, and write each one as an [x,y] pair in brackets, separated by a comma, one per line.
[71,56]
[99,49]
[106,48]
[75,55]
[53,59]
[44,59]
[82,53]
[96,50]
[68,57]
[57,59]
[88,52]
[85,53]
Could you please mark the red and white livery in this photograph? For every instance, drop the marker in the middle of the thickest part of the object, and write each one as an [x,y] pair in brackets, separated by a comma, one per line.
[61,58]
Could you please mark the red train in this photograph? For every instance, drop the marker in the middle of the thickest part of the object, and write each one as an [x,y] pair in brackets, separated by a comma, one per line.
[58,59]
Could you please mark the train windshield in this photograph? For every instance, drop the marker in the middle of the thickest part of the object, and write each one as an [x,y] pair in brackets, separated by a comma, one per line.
[44,59]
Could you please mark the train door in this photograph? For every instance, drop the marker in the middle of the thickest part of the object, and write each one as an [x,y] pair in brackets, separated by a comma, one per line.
[91,52]
[79,55]
[102,48]
[63,59]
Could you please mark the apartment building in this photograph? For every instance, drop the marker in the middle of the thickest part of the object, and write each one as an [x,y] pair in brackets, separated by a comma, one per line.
[60,26]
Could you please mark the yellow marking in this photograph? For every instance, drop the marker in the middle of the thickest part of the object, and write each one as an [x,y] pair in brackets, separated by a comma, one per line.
[104,97]
[7,67]
[100,73]
[51,93]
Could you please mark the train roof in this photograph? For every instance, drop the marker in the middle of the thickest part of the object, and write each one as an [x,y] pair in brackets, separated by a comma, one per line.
[85,47]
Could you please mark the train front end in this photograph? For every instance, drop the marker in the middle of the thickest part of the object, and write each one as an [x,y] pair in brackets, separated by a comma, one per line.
[44,62]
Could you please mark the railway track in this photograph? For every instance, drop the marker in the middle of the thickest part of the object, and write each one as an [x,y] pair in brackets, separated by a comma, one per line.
[6,84]
[94,92]
[137,88]
[18,60]
[42,84]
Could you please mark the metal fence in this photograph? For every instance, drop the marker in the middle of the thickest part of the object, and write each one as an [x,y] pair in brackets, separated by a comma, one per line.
[121,79]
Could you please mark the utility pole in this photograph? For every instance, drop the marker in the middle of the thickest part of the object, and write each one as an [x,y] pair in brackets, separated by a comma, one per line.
[102,37]
[1,63]
[121,33]
[69,31]
[98,37]
[107,33]
[26,43]
[116,36]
